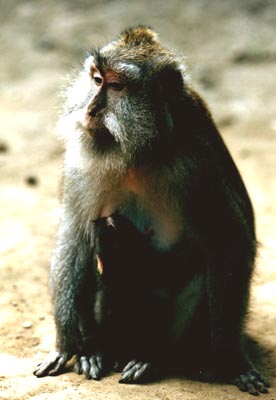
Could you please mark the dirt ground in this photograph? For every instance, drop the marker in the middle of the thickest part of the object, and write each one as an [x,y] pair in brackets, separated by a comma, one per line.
[231,54]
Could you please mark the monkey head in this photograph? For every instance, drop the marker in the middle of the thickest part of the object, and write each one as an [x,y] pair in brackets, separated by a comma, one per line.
[124,99]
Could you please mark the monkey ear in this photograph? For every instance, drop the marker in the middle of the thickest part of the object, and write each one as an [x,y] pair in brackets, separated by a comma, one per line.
[171,80]
[169,90]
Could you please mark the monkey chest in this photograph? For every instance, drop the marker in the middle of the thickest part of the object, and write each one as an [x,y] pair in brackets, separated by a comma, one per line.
[149,204]
[153,209]
[162,228]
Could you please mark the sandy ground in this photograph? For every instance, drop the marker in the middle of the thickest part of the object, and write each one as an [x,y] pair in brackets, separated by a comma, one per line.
[231,53]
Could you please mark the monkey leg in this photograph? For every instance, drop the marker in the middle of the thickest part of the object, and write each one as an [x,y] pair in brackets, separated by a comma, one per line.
[224,226]
[227,289]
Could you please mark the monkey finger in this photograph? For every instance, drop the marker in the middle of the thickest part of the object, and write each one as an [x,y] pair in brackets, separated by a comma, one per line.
[52,364]
[96,366]
[245,385]
[78,367]
[241,385]
[258,382]
[142,373]
[129,365]
[84,365]
[251,382]
[136,372]
[59,365]
[42,369]
[257,377]
[129,371]
[252,390]
[261,388]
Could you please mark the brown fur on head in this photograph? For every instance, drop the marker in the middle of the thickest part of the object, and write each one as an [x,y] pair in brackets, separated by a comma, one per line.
[135,43]
[138,45]
[139,35]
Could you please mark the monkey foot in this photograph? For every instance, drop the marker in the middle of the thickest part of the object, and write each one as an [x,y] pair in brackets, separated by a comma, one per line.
[90,366]
[251,382]
[53,365]
[136,372]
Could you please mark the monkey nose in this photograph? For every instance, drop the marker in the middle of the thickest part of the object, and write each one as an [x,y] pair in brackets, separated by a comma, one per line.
[92,112]
[90,115]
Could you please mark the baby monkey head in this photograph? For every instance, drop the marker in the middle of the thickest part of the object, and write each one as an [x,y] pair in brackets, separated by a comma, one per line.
[126,96]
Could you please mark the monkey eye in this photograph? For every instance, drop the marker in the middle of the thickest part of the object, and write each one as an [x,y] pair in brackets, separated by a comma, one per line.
[98,80]
[97,77]
[117,86]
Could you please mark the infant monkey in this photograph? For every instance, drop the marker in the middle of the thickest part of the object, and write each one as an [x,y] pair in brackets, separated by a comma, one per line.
[128,299]
[143,149]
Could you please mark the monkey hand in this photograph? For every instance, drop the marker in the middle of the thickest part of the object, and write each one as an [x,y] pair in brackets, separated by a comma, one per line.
[137,372]
[90,366]
[252,382]
[54,364]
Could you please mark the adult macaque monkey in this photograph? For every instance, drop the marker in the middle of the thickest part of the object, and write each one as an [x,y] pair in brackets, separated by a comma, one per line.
[141,144]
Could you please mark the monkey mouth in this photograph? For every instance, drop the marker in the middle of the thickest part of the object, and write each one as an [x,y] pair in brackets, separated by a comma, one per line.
[96,132]
[93,127]
[102,137]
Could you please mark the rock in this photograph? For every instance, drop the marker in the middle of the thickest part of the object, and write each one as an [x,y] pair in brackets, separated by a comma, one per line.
[31,180]
[27,325]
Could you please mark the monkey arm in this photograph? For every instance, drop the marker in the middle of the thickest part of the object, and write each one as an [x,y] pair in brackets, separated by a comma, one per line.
[72,287]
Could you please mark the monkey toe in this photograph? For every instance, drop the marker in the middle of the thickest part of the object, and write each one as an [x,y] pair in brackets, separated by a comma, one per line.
[96,366]
[90,366]
[136,372]
[53,365]
[252,382]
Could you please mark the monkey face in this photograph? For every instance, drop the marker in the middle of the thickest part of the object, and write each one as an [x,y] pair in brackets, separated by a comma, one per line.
[120,99]
[108,87]
[119,113]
